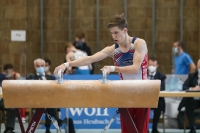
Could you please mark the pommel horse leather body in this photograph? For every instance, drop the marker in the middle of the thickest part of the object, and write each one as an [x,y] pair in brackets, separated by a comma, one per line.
[80,93]
[43,94]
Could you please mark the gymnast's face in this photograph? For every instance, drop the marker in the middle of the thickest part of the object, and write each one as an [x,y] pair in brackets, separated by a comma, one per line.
[118,34]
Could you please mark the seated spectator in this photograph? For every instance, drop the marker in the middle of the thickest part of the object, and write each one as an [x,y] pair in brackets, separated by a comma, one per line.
[153,74]
[190,104]
[74,54]
[10,113]
[47,66]
[12,75]
[39,65]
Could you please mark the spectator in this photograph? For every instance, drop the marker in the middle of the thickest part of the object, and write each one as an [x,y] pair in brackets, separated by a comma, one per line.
[81,45]
[39,65]
[47,66]
[12,75]
[10,113]
[183,64]
[74,54]
[154,74]
[192,83]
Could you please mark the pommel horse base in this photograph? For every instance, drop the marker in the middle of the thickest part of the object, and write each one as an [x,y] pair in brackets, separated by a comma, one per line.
[120,94]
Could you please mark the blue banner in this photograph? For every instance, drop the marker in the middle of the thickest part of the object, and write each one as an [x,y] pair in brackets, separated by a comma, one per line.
[93,118]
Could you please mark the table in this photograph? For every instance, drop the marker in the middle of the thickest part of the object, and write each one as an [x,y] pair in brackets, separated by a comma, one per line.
[179,94]
[168,94]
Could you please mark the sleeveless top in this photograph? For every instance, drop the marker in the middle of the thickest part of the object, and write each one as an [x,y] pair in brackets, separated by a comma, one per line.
[126,59]
[78,55]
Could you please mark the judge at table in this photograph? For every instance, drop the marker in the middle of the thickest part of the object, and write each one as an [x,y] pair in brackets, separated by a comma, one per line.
[10,113]
[153,74]
[190,104]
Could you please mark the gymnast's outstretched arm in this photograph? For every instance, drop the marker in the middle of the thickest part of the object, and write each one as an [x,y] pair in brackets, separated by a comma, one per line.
[106,52]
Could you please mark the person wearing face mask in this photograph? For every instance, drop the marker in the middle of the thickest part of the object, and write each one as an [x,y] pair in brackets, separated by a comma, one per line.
[10,113]
[74,54]
[192,83]
[153,74]
[182,62]
[39,65]
[47,66]
[9,73]
[82,45]
[12,75]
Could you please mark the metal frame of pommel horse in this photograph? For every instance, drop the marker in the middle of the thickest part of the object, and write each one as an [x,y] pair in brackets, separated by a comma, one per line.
[41,94]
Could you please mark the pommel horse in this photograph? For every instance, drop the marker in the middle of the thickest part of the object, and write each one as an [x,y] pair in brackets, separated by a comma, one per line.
[41,94]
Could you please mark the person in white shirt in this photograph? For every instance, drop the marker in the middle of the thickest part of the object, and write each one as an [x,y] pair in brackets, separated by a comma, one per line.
[74,54]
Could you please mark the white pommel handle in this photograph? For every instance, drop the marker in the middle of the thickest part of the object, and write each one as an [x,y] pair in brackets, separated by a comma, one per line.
[104,76]
[60,76]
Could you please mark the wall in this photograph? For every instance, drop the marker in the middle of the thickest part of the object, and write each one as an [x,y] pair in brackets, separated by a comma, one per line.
[25,15]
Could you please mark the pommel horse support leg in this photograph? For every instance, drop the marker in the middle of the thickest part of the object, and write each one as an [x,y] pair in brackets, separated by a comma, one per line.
[82,94]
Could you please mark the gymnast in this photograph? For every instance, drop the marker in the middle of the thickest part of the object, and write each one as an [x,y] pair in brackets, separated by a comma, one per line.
[130,61]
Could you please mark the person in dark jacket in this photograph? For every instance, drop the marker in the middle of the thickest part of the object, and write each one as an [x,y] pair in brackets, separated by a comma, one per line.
[153,74]
[192,83]
[10,113]
[81,45]
[39,65]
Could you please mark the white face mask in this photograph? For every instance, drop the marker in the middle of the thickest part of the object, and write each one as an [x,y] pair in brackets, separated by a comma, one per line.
[175,50]
[9,75]
[46,69]
[152,69]
[40,70]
